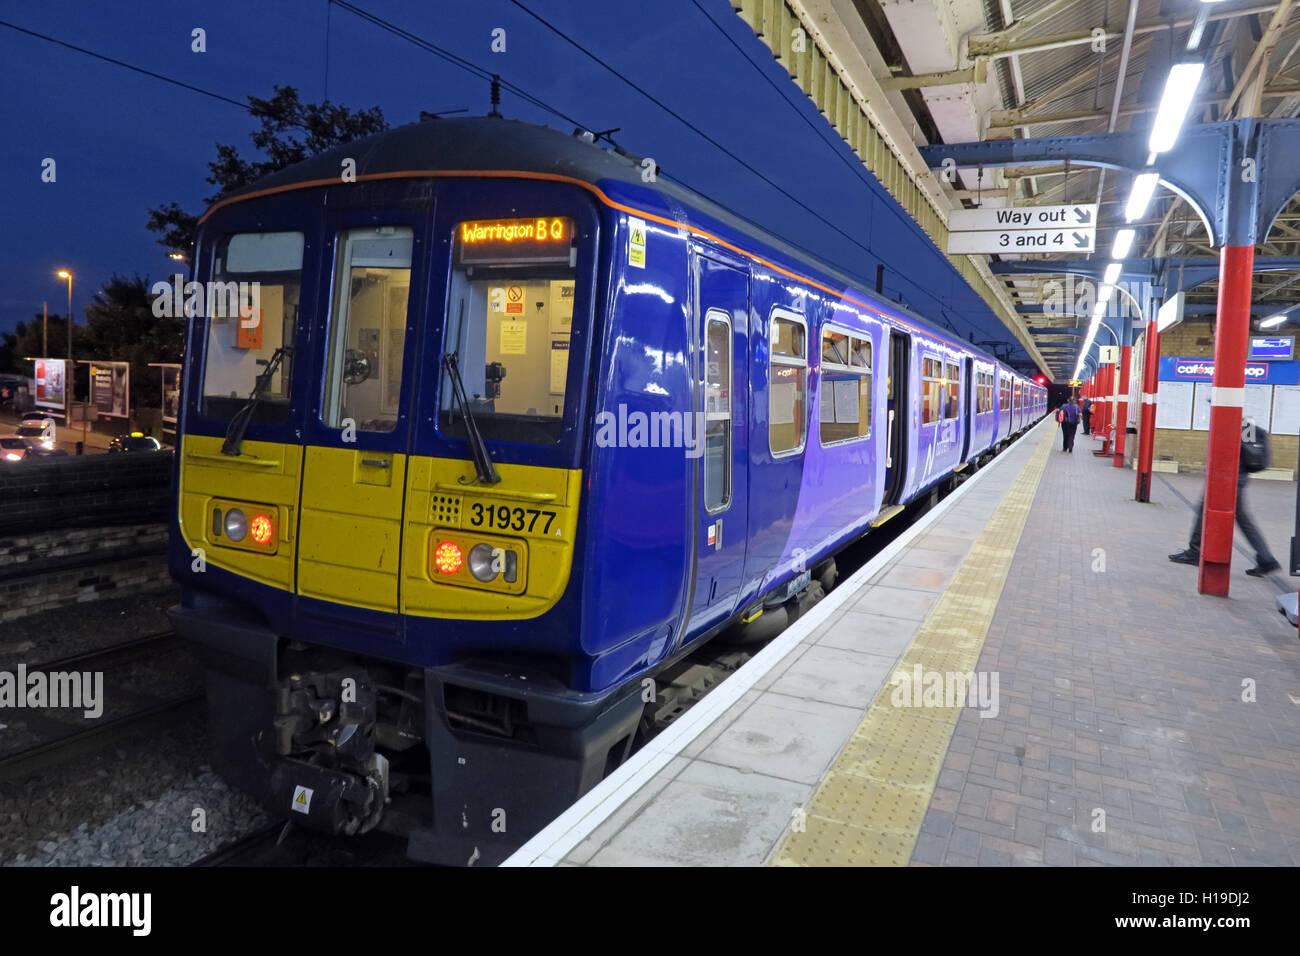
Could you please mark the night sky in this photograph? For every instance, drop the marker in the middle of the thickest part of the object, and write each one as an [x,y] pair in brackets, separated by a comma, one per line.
[124,142]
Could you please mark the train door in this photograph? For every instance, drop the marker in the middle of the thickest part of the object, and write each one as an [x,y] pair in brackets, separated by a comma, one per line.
[897,411]
[354,468]
[968,420]
[721,432]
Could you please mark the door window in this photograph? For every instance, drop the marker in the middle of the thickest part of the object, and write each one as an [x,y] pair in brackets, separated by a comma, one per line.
[952,388]
[717,411]
[368,328]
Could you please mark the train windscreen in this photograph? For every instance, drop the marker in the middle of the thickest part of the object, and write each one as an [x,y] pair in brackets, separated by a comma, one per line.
[251,309]
[509,320]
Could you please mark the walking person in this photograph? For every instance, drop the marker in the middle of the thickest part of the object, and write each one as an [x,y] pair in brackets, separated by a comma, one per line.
[1085,414]
[1068,416]
[1254,457]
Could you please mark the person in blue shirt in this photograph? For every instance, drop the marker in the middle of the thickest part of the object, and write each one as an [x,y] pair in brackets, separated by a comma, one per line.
[1069,418]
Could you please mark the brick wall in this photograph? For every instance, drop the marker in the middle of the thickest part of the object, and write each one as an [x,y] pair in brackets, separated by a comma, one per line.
[42,571]
[85,491]
[1194,338]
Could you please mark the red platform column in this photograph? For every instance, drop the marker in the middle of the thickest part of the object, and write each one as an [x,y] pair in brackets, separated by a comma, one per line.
[1121,415]
[1103,400]
[1147,416]
[1231,340]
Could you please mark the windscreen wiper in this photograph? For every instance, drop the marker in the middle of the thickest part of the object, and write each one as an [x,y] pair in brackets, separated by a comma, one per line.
[487,472]
[239,421]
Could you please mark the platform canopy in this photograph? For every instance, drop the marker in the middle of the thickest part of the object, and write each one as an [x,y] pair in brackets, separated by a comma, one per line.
[928,72]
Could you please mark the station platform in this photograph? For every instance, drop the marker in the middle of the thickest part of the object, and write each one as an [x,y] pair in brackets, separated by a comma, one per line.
[1124,719]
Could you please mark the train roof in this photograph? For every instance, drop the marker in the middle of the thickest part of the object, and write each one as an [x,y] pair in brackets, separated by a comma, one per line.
[493,143]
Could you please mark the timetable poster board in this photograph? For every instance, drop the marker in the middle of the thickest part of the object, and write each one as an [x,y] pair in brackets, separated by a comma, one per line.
[1258,405]
[827,403]
[1201,407]
[1174,405]
[1286,410]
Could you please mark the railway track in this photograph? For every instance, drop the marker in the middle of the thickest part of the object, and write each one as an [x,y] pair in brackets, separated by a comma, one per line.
[61,747]
[282,844]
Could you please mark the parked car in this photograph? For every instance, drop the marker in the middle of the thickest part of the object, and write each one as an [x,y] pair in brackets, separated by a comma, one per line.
[136,441]
[15,448]
[38,427]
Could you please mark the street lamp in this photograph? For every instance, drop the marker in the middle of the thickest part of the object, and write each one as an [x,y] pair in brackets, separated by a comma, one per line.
[67,373]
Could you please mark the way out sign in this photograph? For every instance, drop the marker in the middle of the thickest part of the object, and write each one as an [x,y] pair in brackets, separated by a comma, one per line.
[1071,228]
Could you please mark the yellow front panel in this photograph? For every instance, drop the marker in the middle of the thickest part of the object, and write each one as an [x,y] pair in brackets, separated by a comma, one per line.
[536,507]
[265,474]
[351,536]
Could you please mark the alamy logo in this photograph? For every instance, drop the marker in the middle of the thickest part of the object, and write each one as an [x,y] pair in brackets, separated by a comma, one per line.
[57,689]
[75,908]
[211,300]
[651,430]
[922,688]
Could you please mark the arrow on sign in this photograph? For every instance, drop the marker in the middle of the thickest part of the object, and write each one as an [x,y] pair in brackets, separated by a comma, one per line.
[1080,240]
[1084,215]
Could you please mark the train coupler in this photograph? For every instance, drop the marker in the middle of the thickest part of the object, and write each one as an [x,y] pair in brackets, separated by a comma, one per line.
[331,801]
[327,768]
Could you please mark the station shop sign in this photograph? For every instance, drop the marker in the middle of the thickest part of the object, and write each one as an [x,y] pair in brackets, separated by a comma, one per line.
[1174,369]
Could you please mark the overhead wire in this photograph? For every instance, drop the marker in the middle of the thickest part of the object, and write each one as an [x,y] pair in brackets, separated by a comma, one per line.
[686,122]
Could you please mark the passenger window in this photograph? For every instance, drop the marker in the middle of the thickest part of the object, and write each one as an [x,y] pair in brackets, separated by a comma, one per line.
[952,387]
[931,390]
[252,310]
[786,385]
[717,411]
[368,328]
[845,387]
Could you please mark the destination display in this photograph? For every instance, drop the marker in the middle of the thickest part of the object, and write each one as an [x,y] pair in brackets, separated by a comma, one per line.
[533,241]
[1272,348]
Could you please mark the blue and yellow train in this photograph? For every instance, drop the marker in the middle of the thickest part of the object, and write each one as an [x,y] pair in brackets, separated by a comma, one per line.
[498,431]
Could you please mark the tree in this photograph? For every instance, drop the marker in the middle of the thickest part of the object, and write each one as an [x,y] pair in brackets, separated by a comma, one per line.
[121,327]
[27,341]
[290,131]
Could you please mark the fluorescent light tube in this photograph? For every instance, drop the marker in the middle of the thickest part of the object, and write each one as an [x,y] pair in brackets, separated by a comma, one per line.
[1123,243]
[1112,273]
[1180,89]
[1273,321]
[1144,186]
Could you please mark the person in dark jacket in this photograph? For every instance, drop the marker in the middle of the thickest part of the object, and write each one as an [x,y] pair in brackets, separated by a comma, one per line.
[1085,414]
[1069,422]
[1265,562]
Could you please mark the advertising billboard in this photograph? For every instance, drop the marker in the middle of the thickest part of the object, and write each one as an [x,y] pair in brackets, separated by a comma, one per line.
[171,393]
[51,383]
[110,388]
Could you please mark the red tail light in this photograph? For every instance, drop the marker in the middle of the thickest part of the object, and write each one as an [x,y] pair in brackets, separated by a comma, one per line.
[262,529]
[448,557]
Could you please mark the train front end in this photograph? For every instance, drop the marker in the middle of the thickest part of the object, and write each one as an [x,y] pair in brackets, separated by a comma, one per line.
[378,504]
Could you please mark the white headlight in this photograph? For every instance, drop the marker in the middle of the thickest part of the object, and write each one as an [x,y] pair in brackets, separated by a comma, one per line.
[236,525]
[481,562]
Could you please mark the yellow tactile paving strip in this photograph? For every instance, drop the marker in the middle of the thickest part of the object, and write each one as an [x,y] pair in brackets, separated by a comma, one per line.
[868,809]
